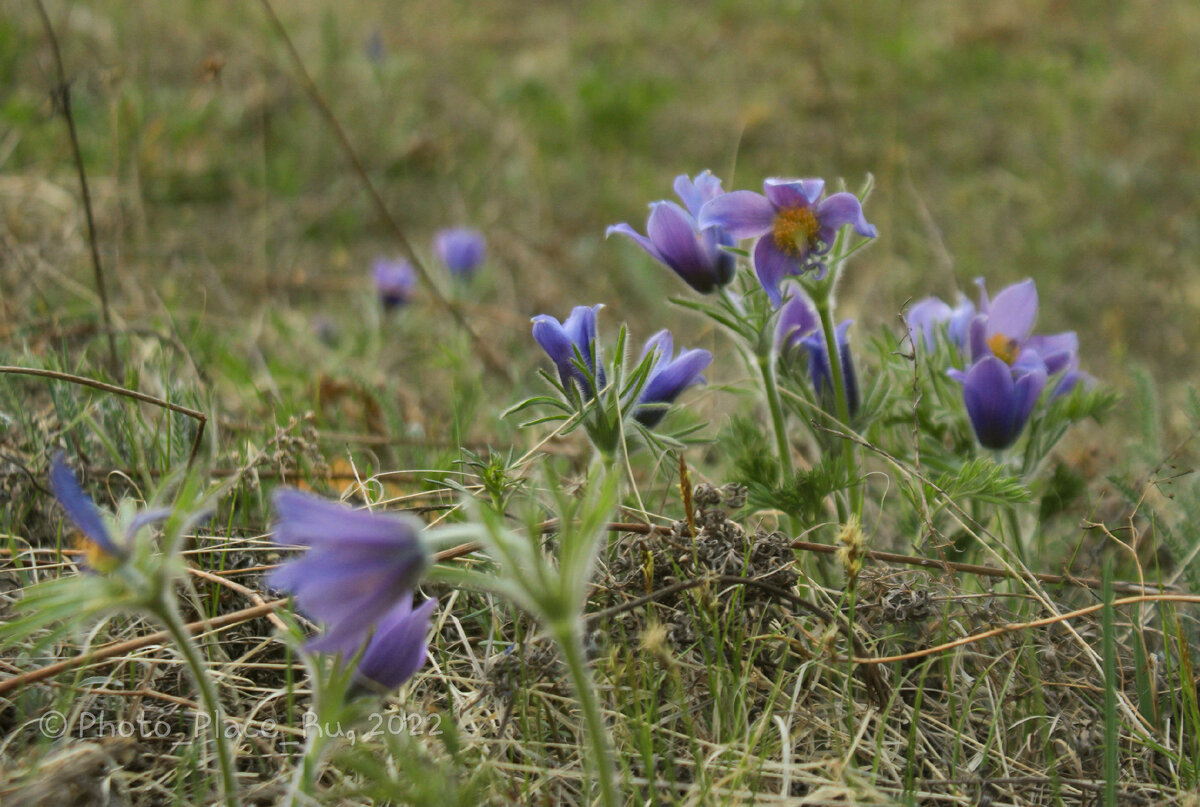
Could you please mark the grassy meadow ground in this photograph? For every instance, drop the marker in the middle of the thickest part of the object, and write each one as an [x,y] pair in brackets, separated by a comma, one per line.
[1009,139]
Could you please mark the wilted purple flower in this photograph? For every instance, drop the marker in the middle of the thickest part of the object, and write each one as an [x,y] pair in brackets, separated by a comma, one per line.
[101,551]
[461,250]
[800,327]
[793,224]
[673,238]
[398,647]
[927,315]
[394,280]
[562,340]
[669,377]
[359,565]
[1000,398]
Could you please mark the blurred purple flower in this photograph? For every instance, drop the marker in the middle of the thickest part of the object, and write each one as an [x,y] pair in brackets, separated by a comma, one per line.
[927,315]
[395,281]
[1000,398]
[101,551]
[674,239]
[562,340]
[359,565]
[800,327]
[398,647]
[793,224]
[461,250]
[669,377]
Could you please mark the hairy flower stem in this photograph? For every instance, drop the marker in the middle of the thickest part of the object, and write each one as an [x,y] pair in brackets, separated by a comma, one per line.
[849,448]
[568,633]
[168,614]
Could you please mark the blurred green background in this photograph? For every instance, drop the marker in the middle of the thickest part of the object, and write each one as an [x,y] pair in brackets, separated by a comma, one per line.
[1008,139]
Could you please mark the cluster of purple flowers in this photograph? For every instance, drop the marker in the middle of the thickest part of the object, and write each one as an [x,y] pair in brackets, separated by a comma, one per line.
[572,343]
[460,250]
[1008,368]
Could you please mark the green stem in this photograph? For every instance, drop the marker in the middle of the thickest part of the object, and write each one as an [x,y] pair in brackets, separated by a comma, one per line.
[568,635]
[169,616]
[766,365]
[849,448]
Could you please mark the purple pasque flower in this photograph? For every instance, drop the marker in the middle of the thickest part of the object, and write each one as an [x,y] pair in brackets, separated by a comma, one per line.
[674,239]
[101,550]
[1000,397]
[398,647]
[927,315]
[800,327]
[395,281]
[1003,327]
[359,565]
[562,340]
[793,224]
[461,250]
[668,378]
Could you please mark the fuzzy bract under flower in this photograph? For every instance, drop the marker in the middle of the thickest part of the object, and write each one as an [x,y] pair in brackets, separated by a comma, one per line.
[461,250]
[395,281]
[398,647]
[668,378]
[794,226]
[562,340]
[674,239]
[358,567]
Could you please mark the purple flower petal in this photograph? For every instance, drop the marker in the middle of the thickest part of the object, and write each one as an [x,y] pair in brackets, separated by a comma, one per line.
[641,240]
[839,210]
[399,647]
[743,214]
[924,317]
[997,405]
[79,506]
[797,320]
[678,240]
[784,193]
[1057,350]
[669,377]
[773,265]
[308,520]
[695,193]
[1013,311]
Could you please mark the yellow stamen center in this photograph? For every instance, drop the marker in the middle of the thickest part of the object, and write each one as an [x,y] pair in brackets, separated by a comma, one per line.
[795,230]
[1007,350]
[94,555]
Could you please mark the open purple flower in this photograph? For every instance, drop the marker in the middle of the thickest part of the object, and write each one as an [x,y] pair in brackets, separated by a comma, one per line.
[359,565]
[793,224]
[800,327]
[1003,327]
[562,340]
[101,551]
[674,239]
[395,281]
[461,250]
[1000,398]
[669,377]
[398,647]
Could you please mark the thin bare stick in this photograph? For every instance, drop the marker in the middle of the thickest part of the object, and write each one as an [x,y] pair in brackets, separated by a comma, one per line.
[493,364]
[200,417]
[62,102]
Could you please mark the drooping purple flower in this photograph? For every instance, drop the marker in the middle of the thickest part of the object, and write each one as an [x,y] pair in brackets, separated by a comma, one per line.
[668,378]
[398,647]
[461,250]
[925,316]
[800,327]
[395,281]
[562,340]
[102,552]
[1000,397]
[674,239]
[793,224]
[358,567]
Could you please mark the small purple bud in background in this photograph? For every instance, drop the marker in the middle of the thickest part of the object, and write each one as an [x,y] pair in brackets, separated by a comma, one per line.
[395,281]
[461,250]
